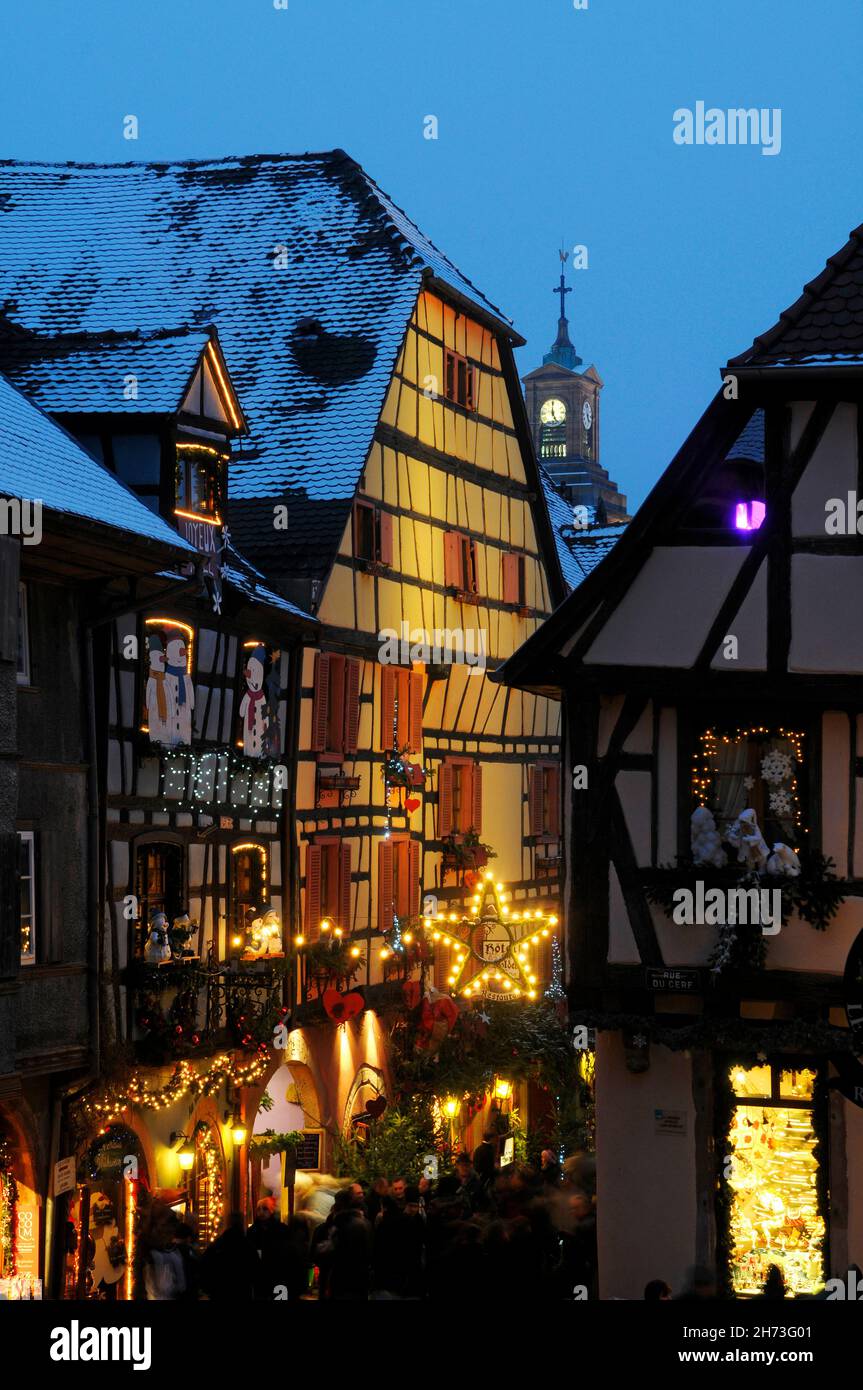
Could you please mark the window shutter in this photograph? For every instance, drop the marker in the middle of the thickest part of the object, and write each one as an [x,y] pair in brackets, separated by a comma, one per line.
[471,578]
[413,894]
[386,885]
[510,578]
[476,797]
[352,705]
[452,560]
[415,703]
[313,892]
[444,800]
[443,955]
[320,710]
[345,887]
[388,705]
[470,400]
[336,735]
[537,825]
[10,908]
[553,775]
[385,543]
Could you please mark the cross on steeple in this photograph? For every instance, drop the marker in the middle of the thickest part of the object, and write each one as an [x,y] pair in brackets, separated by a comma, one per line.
[562,350]
[562,289]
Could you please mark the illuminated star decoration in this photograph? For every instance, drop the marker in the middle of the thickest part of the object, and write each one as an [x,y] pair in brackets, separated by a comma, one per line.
[491,945]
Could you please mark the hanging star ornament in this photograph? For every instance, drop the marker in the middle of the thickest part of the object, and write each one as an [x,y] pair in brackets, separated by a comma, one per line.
[493,950]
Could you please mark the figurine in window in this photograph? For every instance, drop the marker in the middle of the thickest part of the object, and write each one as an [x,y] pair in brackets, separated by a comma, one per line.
[180,934]
[157,695]
[181,693]
[253,706]
[157,949]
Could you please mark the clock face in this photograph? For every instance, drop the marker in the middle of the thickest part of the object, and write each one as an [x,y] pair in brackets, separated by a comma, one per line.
[587,415]
[552,412]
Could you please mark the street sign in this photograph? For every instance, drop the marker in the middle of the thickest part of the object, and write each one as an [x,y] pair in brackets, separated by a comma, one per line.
[668,981]
[64,1176]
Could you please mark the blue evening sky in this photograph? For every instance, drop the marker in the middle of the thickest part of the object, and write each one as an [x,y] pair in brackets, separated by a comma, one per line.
[553,123]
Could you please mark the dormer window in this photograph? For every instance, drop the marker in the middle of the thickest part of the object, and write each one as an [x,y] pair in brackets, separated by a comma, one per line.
[200,473]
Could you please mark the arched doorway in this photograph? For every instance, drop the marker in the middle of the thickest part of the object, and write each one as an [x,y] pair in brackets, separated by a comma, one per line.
[288,1104]
[103,1217]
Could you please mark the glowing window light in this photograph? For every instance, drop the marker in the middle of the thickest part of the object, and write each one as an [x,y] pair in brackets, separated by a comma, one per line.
[748,516]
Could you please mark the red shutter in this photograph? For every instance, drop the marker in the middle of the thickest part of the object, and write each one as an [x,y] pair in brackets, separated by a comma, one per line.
[452,560]
[388,705]
[352,705]
[313,892]
[336,735]
[415,705]
[553,775]
[386,885]
[471,580]
[403,716]
[321,707]
[345,918]
[510,578]
[470,402]
[444,800]
[413,894]
[385,542]
[476,797]
[537,819]
[443,957]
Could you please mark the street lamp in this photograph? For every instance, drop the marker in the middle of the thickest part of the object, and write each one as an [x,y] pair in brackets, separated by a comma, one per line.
[238,1131]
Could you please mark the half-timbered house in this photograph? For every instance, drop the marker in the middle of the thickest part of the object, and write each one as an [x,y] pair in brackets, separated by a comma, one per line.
[710,668]
[386,485]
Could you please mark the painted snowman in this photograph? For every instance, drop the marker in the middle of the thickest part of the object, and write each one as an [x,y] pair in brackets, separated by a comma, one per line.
[181,693]
[158,704]
[253,706]
[156,948]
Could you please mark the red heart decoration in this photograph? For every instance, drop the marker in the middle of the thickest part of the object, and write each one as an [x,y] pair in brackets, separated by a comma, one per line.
[341,1007]
[411,803]
[376,1107]
[446,1009]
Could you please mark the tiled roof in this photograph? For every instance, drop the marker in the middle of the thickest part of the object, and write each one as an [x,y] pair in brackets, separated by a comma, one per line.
[825,326]
[580,551]
[307,269]
[41,462]
[77,372]
[749,444]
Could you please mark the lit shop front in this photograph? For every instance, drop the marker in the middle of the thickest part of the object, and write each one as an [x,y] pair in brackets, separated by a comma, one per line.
[20,1213]
[773,1202]
[102,1217]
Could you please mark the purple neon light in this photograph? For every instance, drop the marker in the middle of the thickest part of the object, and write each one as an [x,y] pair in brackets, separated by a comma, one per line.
[748,516]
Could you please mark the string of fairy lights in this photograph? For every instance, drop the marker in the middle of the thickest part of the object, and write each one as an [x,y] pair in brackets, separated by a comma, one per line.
[705,761]
[525,930]
[185,1079]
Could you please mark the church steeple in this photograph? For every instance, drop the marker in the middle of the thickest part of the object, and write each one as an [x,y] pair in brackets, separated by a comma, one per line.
[562,350]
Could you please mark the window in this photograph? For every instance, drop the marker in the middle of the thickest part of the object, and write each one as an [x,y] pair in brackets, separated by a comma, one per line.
[758,769]
[27,894]
[459,380]
[545,800]
[328,885]
[552,441]
[401,709]
[459,797]
[398,880]
[249,891]
[159,880]
[515,580]
[23,637]
[199,480]
[373,534]
[460,567]
[336,712]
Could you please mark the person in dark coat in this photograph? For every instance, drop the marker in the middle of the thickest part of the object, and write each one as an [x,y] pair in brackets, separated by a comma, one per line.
[226,1271]
[272,1252]
[550,1170]
[350,1257]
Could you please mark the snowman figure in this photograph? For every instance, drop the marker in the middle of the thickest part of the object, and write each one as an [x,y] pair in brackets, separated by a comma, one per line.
[158,705]
[181,693]
[157,949]
[253,706]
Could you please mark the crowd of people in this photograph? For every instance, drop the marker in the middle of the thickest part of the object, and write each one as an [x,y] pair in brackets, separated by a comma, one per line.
[519,1230]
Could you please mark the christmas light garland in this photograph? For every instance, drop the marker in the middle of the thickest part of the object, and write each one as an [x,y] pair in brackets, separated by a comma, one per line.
[184,1080]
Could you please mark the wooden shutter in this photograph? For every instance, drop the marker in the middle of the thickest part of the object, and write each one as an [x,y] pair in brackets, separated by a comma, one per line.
[345,886]
[553,776]
[537,819]
[388,705]
[386,885]
[336,735]
[415,708]
[352,705]
[510,578]
[313,892]
[476,797]
[444,800]
[321,707]
[443,955]
[470,399]
[385,538]
[471,577]
[413,893]
[452,560]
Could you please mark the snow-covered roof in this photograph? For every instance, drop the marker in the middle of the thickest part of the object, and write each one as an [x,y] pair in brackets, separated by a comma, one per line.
[307,269]
[39,461]
[108,373]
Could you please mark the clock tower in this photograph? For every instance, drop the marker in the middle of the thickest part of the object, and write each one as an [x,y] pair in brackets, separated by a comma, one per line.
[563,410]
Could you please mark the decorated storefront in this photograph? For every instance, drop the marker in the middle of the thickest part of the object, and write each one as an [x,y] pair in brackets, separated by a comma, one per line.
[102,1216]
[20,1224]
